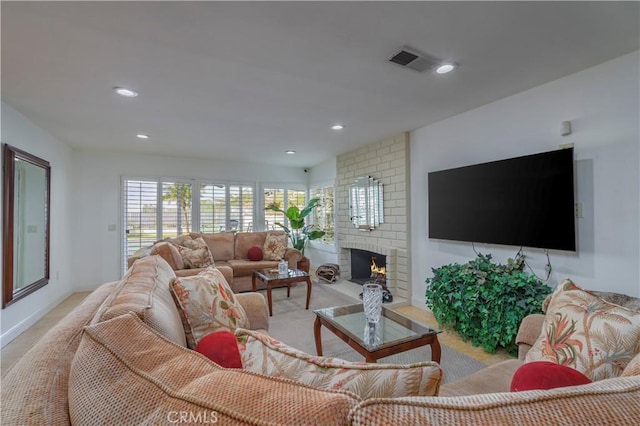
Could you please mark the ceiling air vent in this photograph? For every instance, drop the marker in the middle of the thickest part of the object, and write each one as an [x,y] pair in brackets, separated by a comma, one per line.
[412,59]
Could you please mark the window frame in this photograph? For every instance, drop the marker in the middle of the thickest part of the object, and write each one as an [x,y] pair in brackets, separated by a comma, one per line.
[319,244]
[286,187]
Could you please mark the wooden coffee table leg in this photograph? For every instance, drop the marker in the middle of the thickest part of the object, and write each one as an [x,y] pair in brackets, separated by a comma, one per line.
[317,336]
[308,291]
[254,287]
[370,358]
[270,302]
[435,350]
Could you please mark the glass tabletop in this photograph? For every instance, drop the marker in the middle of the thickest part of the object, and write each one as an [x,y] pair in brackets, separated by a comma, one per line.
[272,274]
[392,329]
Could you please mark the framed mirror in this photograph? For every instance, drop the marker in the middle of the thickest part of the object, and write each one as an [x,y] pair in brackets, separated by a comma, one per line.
[25,223]
[366,203]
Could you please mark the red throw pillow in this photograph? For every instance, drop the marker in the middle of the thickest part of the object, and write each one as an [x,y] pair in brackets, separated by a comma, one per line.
[221,347]
[255,253]
[546,375]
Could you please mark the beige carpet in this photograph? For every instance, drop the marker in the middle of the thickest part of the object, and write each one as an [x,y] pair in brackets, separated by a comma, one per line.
[293,325]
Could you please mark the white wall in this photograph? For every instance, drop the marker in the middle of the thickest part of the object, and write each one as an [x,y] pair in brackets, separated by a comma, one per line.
[21,133]
[97,181]
[602,104]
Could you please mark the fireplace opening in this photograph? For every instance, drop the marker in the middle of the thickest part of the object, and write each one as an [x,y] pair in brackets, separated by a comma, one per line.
[367,266]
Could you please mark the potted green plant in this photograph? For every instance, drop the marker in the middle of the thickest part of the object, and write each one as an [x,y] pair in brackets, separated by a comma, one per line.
[298,232]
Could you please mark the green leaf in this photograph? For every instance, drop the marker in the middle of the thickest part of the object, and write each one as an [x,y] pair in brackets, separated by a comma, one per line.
[485,301]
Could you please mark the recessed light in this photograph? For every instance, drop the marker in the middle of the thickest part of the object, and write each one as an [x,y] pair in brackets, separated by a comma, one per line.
[445,68]
[142,136]
[337,127]
[290,152]
[123,91]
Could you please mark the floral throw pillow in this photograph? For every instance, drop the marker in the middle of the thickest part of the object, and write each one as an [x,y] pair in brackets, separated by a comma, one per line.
[196,254]
[584,332]
[206,304]
[275,245]
[265,355]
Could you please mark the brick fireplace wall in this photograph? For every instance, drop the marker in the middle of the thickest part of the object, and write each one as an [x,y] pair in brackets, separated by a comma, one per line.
[388,161]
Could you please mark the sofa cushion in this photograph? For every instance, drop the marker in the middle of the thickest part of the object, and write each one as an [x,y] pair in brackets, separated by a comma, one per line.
[246,240]
[169,252]
[584,332]
[144,290]
[255,254]
[546,375]
[220,244]
[206,304]
[195,254]
[125,373]
[275,245]
[242,268]
[220,347]
[491,379]
[35,389]
[263,354]
[607,402]
[180,239]
[633,368]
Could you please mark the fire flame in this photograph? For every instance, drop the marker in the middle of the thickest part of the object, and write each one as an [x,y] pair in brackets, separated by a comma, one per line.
[375,269]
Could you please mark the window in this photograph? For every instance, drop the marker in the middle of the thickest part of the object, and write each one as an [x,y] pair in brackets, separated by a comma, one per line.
[176,209]
[153,210]
[213,207]
[323,215]
[226,207]
[283,198]
[240,208]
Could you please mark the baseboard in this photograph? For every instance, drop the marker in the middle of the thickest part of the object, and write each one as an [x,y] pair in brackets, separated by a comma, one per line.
[23,325]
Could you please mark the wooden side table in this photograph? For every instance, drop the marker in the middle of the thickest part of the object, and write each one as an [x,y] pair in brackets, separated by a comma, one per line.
[272,279]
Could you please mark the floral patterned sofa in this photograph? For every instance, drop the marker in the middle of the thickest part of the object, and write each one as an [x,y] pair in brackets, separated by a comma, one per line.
[188,255]
[120,358]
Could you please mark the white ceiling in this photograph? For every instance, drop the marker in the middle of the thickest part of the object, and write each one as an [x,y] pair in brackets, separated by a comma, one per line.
[247,81]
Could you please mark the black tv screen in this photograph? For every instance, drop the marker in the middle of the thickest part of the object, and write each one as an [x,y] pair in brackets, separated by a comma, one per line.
[524,201]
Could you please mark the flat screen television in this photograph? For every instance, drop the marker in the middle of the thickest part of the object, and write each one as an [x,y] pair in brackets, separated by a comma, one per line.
[525,201]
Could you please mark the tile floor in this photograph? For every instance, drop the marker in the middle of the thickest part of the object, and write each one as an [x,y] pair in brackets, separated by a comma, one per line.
[15,349]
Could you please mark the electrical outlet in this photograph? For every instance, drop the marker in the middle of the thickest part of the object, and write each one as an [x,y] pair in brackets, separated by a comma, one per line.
[579,211]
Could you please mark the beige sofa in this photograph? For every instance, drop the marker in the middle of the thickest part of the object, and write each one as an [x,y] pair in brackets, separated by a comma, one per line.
[229,251]
[119,358]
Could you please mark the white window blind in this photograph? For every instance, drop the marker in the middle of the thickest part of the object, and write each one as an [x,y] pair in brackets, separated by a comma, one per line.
[283,198]
[176,209]
[140,215]
[153,210]
[213,207]
[323,215]
[273,196]
[240,208]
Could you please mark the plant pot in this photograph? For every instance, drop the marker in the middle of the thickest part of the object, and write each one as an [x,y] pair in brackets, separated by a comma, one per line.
[304,264]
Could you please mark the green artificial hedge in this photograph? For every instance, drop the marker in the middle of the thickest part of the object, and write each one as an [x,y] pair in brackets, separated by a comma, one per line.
[485,301]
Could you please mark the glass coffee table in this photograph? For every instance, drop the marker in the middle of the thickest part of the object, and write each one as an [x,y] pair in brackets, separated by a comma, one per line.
[272,279]
[393,334]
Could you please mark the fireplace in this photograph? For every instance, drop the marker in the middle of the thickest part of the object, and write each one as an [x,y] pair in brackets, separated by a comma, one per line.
[367,266]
